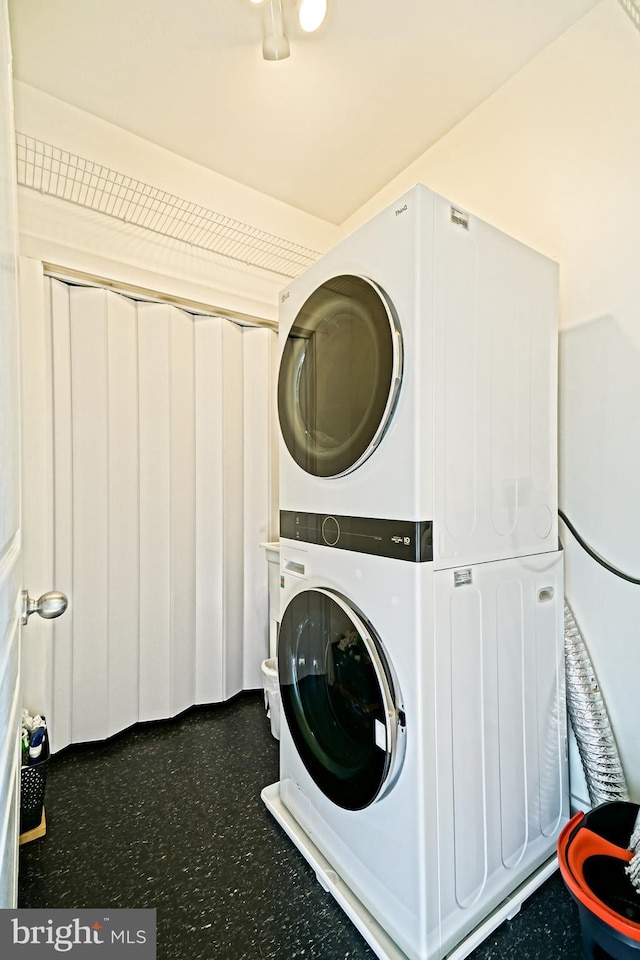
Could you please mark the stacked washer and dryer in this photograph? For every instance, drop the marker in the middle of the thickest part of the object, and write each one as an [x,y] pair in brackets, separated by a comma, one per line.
[423,743]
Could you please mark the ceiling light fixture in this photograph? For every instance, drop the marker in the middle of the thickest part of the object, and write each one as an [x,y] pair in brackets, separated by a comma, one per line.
[311,14]
[275,45]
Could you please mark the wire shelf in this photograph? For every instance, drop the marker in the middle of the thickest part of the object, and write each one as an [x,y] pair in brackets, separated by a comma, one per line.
[57,172]
[633,9]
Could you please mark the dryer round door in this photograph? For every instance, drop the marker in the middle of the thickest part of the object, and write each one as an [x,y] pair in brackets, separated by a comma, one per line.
[338,696]
[340,373]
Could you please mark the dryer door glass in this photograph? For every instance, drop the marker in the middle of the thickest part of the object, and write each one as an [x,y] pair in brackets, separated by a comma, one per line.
[339,376]
[338,698]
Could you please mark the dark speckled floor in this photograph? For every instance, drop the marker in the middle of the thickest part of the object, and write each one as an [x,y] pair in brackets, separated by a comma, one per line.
[169,816]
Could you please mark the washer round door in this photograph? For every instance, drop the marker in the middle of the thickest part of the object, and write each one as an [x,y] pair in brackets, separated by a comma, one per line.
[340,373]
[338,696]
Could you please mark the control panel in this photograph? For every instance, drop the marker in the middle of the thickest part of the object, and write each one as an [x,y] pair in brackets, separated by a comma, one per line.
[410,540]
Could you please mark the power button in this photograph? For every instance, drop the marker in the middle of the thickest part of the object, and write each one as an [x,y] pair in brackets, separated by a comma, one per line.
[330,531]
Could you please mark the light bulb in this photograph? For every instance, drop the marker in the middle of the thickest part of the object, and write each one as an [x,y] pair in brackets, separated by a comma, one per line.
[312,14]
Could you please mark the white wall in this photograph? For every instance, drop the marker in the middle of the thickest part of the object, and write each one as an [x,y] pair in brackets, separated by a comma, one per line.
[552,158]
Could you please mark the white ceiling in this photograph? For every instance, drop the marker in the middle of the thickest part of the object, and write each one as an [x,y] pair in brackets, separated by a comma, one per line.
[324,130]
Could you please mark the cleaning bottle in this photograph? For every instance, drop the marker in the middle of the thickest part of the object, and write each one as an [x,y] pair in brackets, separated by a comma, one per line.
[36,744]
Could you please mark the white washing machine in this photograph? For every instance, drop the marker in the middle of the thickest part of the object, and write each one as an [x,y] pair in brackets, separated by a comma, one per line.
[423,738]
[418,382]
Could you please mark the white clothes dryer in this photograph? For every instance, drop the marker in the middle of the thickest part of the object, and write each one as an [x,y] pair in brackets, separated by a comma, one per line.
[417,382]
[423,736]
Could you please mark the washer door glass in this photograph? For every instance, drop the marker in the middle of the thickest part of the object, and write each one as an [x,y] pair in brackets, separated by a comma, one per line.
[339,376]
[337,694]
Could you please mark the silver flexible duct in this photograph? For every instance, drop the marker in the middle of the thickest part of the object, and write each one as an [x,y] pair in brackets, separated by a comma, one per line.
[589,720]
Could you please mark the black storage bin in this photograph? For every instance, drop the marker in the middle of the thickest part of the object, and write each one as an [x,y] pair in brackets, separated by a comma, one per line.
[33,779]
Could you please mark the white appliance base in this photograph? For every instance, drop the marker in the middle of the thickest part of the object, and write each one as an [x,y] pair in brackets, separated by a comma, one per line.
[379,941]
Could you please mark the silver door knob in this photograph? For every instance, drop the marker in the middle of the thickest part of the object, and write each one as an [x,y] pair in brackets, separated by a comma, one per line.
[49,605]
